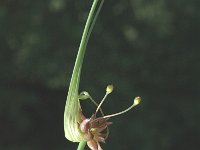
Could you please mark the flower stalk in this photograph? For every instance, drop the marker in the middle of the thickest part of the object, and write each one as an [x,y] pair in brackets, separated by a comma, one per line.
[81,145]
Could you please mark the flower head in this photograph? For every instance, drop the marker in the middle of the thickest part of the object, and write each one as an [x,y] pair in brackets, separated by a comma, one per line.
[95,129]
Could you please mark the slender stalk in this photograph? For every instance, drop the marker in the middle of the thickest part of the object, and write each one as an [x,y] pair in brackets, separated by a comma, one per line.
[81,145]
[84,40]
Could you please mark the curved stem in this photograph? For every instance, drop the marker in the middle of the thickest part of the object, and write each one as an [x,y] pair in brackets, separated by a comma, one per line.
[81,145]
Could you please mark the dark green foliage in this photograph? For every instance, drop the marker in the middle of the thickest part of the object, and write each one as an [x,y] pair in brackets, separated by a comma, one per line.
[144,47]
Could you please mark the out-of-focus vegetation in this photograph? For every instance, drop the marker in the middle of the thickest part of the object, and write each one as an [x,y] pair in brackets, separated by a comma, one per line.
[144,47]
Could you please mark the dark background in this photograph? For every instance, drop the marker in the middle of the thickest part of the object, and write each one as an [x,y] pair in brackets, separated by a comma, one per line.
[147,48]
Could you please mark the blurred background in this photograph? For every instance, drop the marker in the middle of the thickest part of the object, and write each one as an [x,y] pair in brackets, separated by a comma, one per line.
[147,48]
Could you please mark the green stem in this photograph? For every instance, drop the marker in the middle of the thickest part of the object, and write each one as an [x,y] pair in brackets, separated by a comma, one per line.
[81,145]
[94,11]
[82,47]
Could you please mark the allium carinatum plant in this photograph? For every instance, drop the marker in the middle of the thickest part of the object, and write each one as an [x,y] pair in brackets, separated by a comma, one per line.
[77,127]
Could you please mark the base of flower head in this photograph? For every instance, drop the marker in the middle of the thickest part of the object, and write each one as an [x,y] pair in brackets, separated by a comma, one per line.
[95,129]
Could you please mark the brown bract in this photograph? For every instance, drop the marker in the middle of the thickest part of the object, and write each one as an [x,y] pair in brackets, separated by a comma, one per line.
[95,130]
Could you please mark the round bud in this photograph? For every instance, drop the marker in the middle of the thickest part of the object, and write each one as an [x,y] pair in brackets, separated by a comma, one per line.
[137,100]
[84,95]
[109,88]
